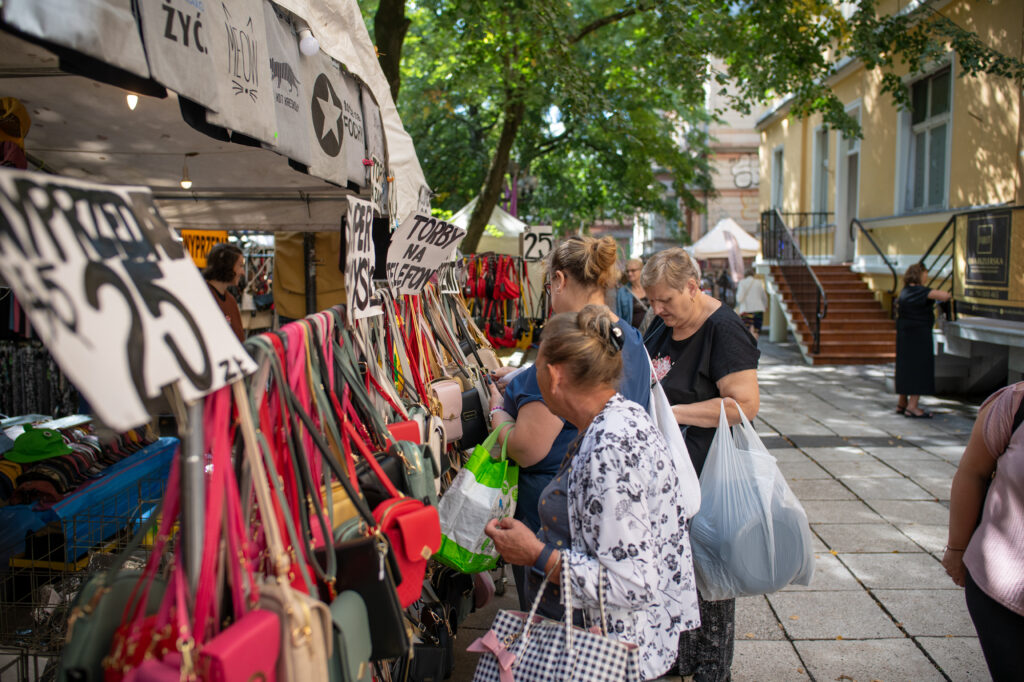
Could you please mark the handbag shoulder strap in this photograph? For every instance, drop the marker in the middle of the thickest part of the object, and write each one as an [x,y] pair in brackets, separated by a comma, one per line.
[1018,417]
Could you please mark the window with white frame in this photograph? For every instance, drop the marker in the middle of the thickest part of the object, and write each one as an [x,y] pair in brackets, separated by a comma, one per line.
[819,199]
[927,154]
[777,177]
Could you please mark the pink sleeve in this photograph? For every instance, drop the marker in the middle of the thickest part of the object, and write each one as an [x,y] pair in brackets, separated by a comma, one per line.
[1002,406]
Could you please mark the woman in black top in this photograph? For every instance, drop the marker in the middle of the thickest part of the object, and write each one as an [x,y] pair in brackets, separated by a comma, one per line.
[702,353]
[915,358]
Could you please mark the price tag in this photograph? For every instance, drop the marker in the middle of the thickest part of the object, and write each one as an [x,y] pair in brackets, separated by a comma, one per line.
[359,260]
[535,243]
[113,295]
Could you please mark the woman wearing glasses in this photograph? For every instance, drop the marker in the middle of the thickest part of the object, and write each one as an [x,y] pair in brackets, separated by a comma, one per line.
[630,298]
[580,271]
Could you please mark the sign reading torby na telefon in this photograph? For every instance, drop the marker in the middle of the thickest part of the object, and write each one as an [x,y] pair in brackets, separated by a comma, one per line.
[989,277]
[360,260]
[199,242]
[419,246]
[111,293]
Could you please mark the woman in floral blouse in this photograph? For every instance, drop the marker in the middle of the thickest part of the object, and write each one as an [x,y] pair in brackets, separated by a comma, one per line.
[615,503]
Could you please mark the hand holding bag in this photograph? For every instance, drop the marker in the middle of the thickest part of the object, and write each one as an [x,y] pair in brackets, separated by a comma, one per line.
[664,419]
[751,535]
[485,489]
[523,647]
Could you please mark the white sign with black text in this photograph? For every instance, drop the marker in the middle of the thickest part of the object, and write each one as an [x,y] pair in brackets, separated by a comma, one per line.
[360,260]
[535,243]
[112,295]
[418,248]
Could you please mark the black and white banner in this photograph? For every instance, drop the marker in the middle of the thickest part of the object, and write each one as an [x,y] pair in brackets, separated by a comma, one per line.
[294,131]
[355,136]
[241,68]
[102,29]
[113,296]
[418,248]
[179,45]
[324,91]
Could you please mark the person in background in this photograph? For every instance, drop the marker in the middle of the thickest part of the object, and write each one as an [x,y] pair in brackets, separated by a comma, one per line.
[751,301]
[614,507]
[915,356]
[580,271]
[702,354]
[225,266]
[984,551]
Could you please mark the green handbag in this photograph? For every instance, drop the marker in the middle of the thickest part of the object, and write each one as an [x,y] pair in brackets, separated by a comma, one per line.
[350,661]
[418,471]
[98,611]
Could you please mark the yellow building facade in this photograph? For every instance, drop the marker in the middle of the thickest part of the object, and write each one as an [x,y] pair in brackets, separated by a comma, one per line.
[958,150]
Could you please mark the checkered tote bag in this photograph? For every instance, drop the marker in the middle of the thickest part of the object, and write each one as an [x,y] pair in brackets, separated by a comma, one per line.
[522,647]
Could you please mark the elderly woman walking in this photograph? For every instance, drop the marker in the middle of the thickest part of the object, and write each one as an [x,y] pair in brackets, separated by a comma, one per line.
[614,507]
[702,353]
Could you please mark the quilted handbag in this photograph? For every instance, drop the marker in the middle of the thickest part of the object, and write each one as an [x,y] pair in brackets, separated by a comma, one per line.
[449,395]
[523,647]
[414,530]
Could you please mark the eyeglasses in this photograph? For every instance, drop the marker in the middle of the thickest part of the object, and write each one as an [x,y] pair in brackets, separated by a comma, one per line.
[633,269]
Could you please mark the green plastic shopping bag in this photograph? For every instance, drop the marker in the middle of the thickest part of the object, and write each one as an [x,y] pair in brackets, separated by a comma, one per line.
[485,489]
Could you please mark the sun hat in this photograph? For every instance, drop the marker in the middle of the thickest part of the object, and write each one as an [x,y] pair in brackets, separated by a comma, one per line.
[35,445]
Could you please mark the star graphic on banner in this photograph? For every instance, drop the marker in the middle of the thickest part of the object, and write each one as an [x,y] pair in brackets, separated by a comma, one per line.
[331,114]
[327,112]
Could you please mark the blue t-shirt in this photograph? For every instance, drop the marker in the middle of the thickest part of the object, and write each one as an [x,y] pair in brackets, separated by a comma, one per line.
[635,385]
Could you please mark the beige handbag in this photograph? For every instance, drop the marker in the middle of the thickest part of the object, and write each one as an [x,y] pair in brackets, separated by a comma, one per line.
[306,630]
[449,396]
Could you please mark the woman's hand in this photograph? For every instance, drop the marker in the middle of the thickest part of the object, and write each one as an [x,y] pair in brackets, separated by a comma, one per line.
[953,562]
[496,397]
[516,543]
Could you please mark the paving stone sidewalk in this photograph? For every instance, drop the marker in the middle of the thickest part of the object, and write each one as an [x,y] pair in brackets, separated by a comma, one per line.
[875,486]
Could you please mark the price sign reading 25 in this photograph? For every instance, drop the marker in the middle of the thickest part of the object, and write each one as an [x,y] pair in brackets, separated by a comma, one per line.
[536,242]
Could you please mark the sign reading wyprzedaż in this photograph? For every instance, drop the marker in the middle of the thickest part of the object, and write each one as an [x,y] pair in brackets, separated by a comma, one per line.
[418,248]
[113,296]
[359,259]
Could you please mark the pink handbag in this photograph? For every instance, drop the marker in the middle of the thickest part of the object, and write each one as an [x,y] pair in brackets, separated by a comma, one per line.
[449,394]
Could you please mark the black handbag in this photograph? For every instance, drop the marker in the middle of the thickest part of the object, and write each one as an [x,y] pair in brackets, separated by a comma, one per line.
[434,657]
[474,421]
[371,486]
[361,562]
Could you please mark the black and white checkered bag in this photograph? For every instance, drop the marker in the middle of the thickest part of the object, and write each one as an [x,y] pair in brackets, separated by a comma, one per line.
[522,647]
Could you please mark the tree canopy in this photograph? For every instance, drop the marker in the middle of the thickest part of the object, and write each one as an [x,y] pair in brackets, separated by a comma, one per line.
[600,102]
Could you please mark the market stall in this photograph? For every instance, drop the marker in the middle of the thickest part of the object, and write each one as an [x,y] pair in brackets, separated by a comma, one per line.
[220,137]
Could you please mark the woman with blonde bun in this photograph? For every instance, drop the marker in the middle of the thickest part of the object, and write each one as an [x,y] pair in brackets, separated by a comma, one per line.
[580,270]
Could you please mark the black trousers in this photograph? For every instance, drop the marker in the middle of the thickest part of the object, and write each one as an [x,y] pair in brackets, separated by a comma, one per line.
[1000,632]
[706,653]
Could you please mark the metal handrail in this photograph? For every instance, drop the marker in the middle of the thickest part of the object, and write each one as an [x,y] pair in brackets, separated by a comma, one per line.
[789,253]
[871,240]
[938,238]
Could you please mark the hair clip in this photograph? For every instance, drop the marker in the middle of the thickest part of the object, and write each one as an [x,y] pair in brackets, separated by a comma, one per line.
[615,336]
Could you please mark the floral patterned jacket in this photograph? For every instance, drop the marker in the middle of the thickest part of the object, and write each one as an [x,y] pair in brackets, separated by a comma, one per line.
[625,514]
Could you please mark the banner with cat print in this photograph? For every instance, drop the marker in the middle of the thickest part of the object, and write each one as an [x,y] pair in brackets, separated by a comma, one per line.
[294,126]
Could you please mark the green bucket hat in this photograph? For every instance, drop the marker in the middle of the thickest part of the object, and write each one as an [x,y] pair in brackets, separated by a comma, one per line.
[35,445]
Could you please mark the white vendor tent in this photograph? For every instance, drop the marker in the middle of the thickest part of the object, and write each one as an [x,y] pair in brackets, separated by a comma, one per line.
[715,245]
[501,234]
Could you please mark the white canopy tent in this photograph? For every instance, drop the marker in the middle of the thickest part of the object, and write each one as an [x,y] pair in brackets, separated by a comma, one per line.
[715,245]
[501,234]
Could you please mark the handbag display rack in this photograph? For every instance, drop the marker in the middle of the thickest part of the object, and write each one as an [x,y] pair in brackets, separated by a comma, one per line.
[501,297]
[322,478]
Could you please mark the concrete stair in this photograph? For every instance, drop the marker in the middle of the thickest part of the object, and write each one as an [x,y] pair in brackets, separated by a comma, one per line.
[856,329]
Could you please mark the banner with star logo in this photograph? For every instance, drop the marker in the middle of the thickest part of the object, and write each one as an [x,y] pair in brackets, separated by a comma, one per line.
[326,114]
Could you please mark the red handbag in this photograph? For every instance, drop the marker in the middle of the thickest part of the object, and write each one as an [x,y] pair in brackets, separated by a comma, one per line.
[413,528]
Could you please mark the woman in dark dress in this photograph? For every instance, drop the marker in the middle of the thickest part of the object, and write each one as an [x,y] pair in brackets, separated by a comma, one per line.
[915,359]
[702,353]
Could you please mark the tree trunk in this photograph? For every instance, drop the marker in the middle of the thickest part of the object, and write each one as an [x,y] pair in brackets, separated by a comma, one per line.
[514,112]
[389,27]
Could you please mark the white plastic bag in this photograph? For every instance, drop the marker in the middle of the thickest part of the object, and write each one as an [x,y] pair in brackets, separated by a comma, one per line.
[661,414]
[751,534]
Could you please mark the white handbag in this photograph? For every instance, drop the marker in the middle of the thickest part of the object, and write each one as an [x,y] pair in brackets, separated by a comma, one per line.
[661,414]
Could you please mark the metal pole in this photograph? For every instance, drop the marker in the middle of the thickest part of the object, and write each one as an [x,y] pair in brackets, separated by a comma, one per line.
[193,493]
[309,267]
